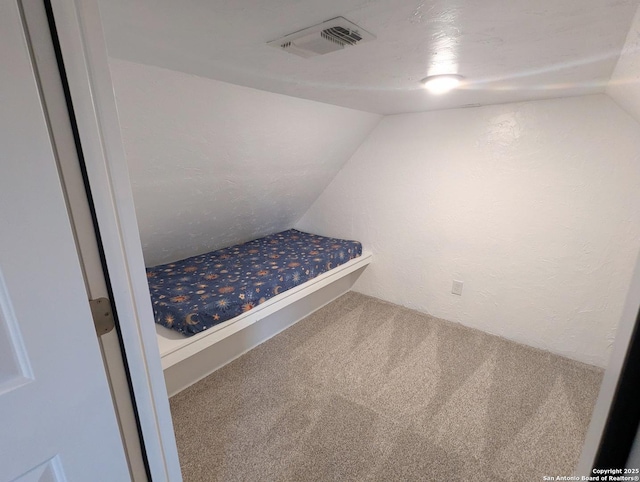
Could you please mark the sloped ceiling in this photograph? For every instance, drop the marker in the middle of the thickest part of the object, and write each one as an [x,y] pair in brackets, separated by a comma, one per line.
[509,51]
[214,164]
[624,87]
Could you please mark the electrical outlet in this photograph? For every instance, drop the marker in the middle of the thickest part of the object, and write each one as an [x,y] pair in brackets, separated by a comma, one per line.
[456,288]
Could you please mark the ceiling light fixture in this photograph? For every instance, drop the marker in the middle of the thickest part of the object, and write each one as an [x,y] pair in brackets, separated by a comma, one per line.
[439,84]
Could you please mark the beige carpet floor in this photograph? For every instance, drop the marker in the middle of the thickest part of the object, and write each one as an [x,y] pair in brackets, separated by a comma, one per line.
[367,390]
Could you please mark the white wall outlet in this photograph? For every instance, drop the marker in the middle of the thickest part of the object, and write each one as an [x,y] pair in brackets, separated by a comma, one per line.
[456,288]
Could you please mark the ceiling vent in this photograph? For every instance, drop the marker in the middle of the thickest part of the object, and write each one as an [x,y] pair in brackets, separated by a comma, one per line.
[324,38]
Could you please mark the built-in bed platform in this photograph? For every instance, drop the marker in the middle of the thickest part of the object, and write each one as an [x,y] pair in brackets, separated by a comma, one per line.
[187,359]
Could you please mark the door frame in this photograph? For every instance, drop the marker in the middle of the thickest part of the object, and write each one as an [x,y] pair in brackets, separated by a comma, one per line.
[613,395]
[85,57]
[84,54]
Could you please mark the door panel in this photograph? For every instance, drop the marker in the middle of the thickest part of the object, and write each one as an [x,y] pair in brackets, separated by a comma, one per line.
[56,414]
[15,369]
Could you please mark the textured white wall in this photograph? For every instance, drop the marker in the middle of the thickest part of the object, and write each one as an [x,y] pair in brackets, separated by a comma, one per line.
[213,164]
[535,206]
[624,86]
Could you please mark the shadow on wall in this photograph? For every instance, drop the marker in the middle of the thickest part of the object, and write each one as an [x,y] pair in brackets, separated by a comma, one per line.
[214,164]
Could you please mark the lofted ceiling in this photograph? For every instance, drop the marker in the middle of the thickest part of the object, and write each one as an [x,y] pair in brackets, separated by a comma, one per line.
[508,50]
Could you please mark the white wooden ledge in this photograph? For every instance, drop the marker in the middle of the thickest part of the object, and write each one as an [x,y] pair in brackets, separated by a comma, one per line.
[187,359]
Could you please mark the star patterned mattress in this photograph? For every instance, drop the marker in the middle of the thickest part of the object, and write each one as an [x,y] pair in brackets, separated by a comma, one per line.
[202,291]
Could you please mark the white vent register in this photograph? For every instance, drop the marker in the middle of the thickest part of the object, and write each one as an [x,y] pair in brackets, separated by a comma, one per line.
[324,38]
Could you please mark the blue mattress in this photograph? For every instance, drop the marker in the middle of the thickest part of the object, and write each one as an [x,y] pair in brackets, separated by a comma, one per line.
[202,291]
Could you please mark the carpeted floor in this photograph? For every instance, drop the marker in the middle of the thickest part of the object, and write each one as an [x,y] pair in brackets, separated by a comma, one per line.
[367,390]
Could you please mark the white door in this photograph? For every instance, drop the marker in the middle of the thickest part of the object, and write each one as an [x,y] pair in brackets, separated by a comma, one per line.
[57,420]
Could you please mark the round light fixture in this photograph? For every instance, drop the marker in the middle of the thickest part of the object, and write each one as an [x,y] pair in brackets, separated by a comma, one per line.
[439,84]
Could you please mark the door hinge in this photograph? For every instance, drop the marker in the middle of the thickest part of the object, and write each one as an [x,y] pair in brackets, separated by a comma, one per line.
[102,315]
